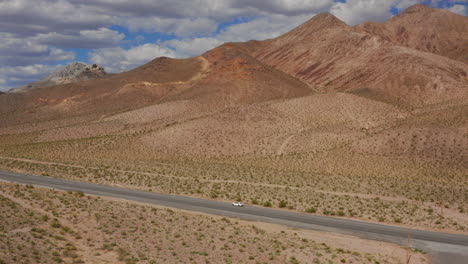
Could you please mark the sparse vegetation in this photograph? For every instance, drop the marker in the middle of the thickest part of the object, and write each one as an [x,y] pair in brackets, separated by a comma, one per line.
[80,228]
[410,163]
[382,138]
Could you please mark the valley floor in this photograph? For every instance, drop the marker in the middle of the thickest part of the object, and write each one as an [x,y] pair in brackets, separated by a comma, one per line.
[46,226]
[335,154]
[371,199]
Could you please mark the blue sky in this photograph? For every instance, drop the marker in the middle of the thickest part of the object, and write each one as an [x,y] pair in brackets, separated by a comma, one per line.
[40,36]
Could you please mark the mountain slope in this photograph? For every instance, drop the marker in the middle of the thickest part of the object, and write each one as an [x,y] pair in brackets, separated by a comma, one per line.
[327,118]
[222,77]
[331,56]
[426,29]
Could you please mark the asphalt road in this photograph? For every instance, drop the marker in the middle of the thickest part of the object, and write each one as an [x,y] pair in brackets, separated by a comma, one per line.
[443,247]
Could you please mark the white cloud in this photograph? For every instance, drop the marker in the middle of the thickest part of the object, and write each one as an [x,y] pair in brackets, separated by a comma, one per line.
[42,16]
[179,17]
[285,7]
[179,27]
[264,27]
[191,47]
[219,10]
[19,46]
[87,39]
[3,86]
[36,69]
[20,52]
[17,76]
[38,32]
[259,29]
[118,59]
[402,5]
[459,9]
[354,12]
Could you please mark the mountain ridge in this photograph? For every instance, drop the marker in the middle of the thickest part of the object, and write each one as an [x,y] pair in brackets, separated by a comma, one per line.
[426,29]
[328,118]
[338,57]
[323,79]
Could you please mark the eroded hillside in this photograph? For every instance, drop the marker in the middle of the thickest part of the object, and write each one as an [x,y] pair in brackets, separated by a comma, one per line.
[331,119]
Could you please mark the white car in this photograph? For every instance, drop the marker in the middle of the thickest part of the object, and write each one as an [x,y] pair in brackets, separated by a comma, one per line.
[238,204]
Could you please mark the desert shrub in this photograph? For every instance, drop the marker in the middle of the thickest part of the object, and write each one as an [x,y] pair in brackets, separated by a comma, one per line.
[282,204]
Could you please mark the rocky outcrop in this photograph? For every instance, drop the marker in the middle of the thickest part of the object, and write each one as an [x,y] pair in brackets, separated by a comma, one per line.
[71,73]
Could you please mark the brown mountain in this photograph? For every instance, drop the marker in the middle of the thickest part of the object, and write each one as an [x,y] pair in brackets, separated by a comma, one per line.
[331,56]
[326,116]
[322,55]
[219,78]
[426,29]
[321,86]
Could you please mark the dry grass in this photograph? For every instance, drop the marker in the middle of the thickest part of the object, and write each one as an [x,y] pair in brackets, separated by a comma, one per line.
[335,154]
[46,226]
[226,126]
[387,198]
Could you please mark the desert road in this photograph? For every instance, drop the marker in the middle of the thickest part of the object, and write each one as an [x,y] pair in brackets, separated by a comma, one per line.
[442,247]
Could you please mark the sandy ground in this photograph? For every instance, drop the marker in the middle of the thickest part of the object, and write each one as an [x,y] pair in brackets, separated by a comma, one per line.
[107,230]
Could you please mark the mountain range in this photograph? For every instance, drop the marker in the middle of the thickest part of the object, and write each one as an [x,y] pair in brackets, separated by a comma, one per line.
[397,89]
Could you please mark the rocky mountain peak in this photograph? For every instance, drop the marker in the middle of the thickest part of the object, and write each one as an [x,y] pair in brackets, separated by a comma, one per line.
[76,69]
[73,72]
[323,20]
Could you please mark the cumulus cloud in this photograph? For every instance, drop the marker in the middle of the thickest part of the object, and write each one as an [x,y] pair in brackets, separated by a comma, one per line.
[19,75]
[184,48]
[42,32]
[459,9]
[180,27]
[264,27]
[354,12]
[218,10]
[85,39]
[402,5]
[19,46]
[259,29]
[42,16]
[118,59]
[36,70]
[288,7]
[173,16]
[21,52]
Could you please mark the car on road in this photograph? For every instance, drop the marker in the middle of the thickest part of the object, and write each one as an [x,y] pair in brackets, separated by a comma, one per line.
[238,204]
